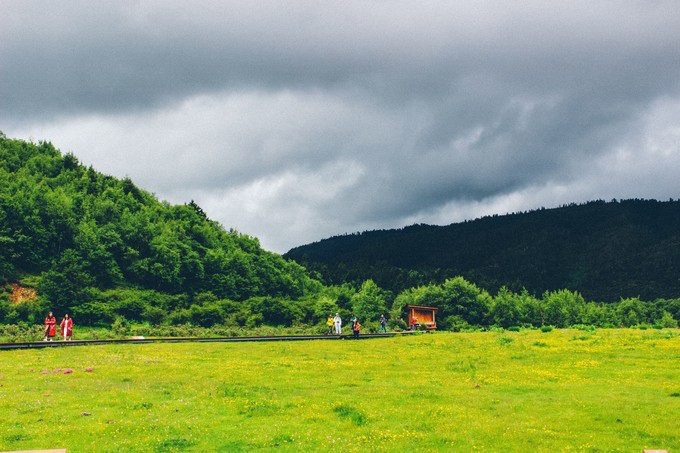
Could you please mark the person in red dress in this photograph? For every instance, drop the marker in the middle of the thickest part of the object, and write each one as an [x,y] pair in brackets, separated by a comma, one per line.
[66,327]
[50,327]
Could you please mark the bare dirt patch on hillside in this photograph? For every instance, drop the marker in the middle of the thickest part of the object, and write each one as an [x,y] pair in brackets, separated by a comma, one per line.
[22,293]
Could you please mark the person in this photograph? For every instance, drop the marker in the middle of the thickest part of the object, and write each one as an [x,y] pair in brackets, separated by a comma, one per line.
[66,327]
[354,321]
[414,323]
[356,327]
[329,324]
[337,321]
[383,324]
[50,327]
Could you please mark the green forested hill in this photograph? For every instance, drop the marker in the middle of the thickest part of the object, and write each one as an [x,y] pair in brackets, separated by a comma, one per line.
[78,232]
[605,250]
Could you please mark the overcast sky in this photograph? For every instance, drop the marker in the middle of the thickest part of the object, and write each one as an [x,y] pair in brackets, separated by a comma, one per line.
[295,121]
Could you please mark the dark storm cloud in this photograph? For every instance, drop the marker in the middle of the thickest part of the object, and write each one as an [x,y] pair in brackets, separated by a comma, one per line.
[297,120]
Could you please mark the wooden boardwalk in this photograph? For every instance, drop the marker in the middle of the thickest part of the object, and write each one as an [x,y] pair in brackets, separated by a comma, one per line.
[60,344]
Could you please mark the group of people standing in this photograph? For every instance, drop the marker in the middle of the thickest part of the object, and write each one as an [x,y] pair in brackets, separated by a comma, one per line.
[65,327]
[334,324]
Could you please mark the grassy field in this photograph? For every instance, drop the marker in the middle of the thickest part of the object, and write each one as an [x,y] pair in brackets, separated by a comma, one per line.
[565,390]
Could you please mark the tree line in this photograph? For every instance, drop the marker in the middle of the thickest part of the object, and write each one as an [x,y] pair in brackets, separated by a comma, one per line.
[108,252]
[463,305]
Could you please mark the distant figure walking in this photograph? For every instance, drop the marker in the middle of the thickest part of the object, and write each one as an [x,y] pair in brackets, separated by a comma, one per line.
[66,327]
[337,321]
[356,327]
[50,327]
[329,324]
[383,324]
[414,323]
[354,321]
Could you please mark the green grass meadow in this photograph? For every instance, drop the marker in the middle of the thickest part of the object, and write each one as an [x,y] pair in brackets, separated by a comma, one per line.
[565,390]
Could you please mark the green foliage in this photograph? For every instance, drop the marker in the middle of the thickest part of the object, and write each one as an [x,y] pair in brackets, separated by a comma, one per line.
[631,312]
[563,307]
[67,284]
[453,323]
[507,310]
[369,302]
[105,250]
[93,314]
[346,411]
[504,341]
[324,307]
[87,234]
[667,320]
[455,297]
[465,299]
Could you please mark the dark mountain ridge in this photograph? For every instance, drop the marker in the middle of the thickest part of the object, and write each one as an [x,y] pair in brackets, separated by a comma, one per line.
[606,250]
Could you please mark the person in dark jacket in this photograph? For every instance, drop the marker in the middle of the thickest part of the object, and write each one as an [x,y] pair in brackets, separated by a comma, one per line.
[383,324]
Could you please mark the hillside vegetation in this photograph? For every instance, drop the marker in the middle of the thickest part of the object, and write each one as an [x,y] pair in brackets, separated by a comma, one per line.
[110,254]
[604,250]
[98,245]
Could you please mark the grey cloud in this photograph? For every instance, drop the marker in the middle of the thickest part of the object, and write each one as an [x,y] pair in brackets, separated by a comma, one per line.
[299,120]
[80,56]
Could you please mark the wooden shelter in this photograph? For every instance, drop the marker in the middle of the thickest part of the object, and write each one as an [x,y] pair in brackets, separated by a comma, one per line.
[424,315]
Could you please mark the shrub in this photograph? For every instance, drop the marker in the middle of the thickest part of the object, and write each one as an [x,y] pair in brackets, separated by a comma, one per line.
[206,315]
[586,327]
[504,341]
[254,320]
[454,323]
[369,327]
[154,315]
[547,328]
[93,314]
[631,312]
[131,309]
[14,333]
[276,311]
[667,320]
[507,308]
[120,327]
[5,309]
[348,412]
[32,312]
[179,317]
[396,325]
[513,329]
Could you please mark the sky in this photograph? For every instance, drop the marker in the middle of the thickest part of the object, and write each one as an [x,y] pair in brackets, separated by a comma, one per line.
[295,121]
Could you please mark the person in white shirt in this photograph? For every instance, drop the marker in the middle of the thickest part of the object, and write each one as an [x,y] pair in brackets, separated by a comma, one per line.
[338,324]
